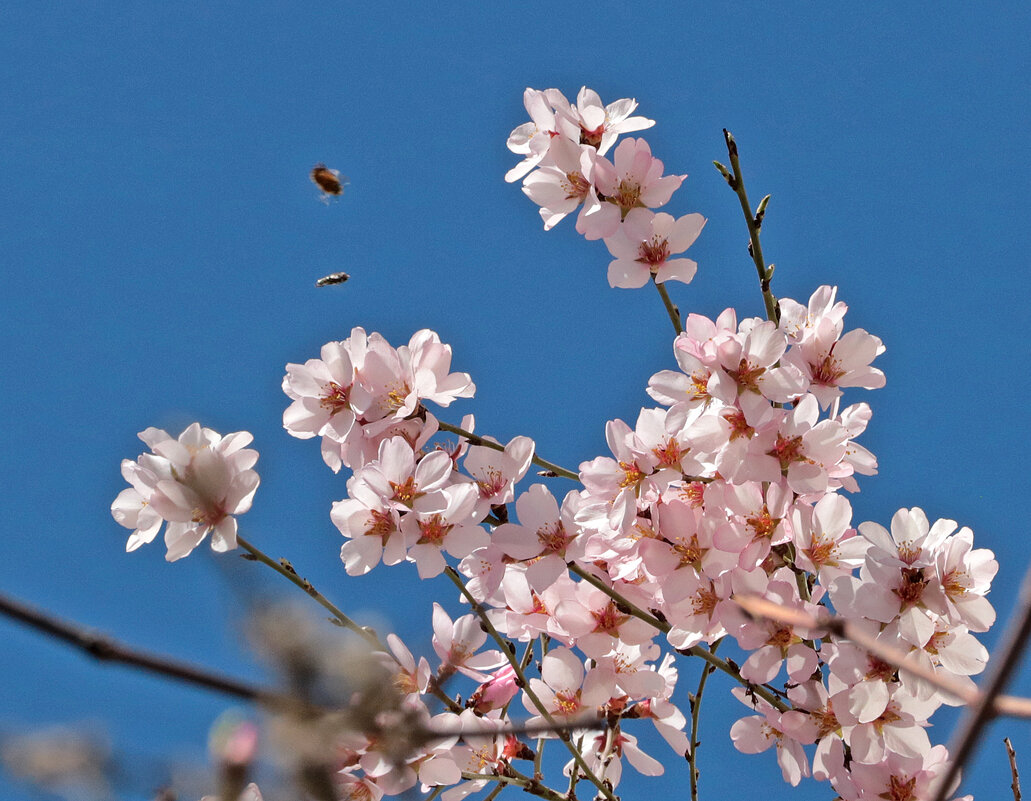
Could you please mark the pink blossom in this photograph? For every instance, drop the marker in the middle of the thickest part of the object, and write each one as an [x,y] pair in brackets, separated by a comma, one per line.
[751,359]
[453,529]
[830,361]
[600,124]
[825,543]
[373,528]
[563,183]
[643,244]
[533,139]
[788,731]
[456,643]
[543,537]
[396,477]
[565,690]
[499,688]
[409,678]
[325,394]
[196,483]
[634,180]
[496,473]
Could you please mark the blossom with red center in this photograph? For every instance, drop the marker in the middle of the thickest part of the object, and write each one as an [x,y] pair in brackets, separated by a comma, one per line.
[788,731]
[563,183]
[496,472]
[594,621]
[373,530]
[195,483]
[632,180]
[456,643]
[600,124]
[327,398]
[825,542]
[534,139]
[802,448]
[643,244]
[565,690]
[402,482]
[453,529]
[828,359]
[543,536]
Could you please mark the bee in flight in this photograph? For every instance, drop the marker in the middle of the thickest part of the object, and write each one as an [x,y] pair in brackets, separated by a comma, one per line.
[329,181]
[332,278]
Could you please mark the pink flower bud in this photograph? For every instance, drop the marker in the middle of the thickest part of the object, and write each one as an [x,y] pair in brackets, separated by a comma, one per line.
[497,691]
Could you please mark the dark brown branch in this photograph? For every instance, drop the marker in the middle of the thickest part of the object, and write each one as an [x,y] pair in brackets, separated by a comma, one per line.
[1014,641]
[1013,768]
[103,648]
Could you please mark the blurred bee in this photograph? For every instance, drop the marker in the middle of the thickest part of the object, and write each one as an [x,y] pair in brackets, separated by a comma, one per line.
[332,278]
[329,181]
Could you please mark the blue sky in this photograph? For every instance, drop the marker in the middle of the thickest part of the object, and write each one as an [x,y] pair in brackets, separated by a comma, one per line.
[162,239]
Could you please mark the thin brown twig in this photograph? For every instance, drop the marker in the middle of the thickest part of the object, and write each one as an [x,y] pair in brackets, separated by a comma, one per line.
[1013,768]
[284,568]
[475,439]
[696,704]
[736,181]
[563,732]
[512,776]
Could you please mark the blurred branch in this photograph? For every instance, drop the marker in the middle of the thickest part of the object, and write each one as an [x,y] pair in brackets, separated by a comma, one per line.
[105,649]
[286,569]
[1007,705]
[1014,642]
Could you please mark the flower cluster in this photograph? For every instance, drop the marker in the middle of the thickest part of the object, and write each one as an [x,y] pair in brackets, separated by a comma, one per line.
[196,483]
[735,485]
[363,392]
[565,169]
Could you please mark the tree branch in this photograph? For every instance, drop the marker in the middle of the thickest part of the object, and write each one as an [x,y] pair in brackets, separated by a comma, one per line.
[103,648]
[754,222]
[478,440]
[1013,769]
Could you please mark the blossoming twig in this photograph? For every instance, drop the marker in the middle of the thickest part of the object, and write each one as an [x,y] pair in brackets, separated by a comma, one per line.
[1002,705]
[696,650]
[525,685]
[989,705]
[528,784]
[286,569]
[477,440]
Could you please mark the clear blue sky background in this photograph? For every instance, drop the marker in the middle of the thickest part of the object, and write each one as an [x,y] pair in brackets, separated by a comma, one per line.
[161,240]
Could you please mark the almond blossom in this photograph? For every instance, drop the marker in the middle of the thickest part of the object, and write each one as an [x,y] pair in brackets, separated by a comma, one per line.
[643,245]
[632,180]
[456,643]
[196,483]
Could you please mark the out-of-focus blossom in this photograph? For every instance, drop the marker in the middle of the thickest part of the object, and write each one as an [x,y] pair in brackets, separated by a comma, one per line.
[195,483]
